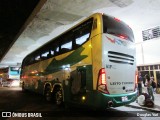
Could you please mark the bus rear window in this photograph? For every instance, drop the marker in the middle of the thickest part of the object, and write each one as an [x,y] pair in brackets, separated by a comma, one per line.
[118,28]
[14,68]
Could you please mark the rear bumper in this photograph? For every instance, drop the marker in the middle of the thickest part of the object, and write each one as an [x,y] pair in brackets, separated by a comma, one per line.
[115,100]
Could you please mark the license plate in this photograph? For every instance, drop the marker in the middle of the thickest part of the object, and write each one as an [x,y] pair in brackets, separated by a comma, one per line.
[124,98]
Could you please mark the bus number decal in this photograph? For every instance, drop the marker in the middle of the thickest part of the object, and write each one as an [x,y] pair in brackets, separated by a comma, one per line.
[115,83]
[121,83]
[110,66]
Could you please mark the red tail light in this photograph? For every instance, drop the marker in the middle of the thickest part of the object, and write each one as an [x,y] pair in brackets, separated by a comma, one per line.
[23,77]
[122,36]
[102,81]
[103,76]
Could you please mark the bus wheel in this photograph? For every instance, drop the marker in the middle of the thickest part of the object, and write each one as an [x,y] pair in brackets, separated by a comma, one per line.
[47,93]
[58,96]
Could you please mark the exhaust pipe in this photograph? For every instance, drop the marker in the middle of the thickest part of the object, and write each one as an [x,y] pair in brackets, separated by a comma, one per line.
[110,104]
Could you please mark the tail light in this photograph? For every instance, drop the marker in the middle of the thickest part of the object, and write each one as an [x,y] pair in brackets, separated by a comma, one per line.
[123,36]
[116,19]
[102,81]
[23,77]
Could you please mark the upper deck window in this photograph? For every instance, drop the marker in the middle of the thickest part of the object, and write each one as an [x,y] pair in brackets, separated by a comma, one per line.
[82,39]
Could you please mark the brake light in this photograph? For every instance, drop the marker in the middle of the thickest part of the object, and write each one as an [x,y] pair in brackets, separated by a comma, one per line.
[103,76]
[102,81]
[122,36]
[23,77]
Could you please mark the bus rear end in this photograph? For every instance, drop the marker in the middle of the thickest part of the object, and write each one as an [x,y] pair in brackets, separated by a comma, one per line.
[117,77]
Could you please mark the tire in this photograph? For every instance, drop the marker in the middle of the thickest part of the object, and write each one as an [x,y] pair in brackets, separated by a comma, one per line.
[48,94]
[58,96]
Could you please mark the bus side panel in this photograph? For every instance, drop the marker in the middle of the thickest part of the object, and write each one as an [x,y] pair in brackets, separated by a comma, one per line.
[55,68]
[96,40]
[96,58]
[78,77]
[35,77]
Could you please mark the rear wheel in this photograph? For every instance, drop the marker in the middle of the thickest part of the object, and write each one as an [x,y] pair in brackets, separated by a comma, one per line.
[47,93]
[59,96]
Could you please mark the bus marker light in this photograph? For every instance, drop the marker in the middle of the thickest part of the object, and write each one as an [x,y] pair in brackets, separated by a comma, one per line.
[90,45]
[122,36]
[83,98]
[116,19]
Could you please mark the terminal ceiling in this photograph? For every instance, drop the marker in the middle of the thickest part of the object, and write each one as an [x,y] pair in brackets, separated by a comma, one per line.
[25,25]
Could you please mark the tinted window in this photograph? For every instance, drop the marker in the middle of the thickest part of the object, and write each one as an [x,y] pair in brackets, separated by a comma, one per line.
[14,68]
[80,40]
[82,32]
[67,45]
[37,58]
[66,42]
[62,44]
[45,54]
[116,27]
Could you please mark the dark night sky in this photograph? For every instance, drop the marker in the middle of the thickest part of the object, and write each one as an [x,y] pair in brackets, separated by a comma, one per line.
[13,14]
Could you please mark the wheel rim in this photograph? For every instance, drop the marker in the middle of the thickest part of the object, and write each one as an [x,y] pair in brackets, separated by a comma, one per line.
[48,94]
[59,97]
[48,98]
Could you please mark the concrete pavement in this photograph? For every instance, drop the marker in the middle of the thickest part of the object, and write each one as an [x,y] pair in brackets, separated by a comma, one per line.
[156,107]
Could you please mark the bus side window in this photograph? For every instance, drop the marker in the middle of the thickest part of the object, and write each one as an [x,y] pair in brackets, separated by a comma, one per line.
[66,47]
[48,55]
[37,58]
[66,42]
[82,33]
[52,52]
[44,55]
[56,50]
[82,39]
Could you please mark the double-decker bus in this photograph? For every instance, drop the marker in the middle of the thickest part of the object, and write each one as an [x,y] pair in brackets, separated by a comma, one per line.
[91,64]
